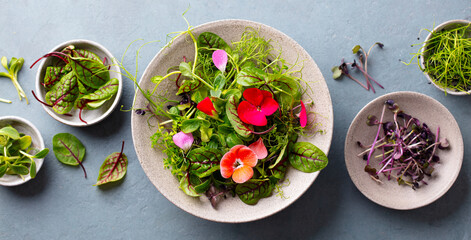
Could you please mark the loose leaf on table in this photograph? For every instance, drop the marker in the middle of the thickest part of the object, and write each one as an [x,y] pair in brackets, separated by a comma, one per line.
[231,110]
[252,191]
[90,72]
[68,150]
[113,168]
[251,76]
[307,157]
[211,41]
[203,162]
[63,94]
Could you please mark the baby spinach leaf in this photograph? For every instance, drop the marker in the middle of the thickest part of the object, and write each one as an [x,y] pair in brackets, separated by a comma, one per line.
[113,168]
[213,41]
[63,94]
[232,139]
[68,150]
[203,162]
[251,76]
[306,157]
[90,72]
[231,110]
[190,125]
[251,192]
[187,187]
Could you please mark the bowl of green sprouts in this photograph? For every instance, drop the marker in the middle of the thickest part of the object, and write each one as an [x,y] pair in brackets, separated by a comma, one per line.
[445,57]
[22,151]
[78,82]
[233,121]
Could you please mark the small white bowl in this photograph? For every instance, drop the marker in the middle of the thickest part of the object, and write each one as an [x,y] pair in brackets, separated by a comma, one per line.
[446,25]
[26,127]
[90,116]
[389,193]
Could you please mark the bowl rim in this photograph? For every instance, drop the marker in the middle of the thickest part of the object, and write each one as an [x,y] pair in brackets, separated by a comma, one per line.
[424,47]
[115,103]
[443,190]
[329,133]
[40,142]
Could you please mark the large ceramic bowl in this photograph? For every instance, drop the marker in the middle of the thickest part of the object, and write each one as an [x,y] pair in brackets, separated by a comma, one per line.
[447,26]
[22,126]
[231,209]
[90,116]
[389,193]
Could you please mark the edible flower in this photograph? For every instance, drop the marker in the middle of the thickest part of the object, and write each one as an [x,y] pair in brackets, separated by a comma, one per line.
[220,59]
[303,115]
[259,149]
[259,104]
[238,163]
[207,107]
[183,140]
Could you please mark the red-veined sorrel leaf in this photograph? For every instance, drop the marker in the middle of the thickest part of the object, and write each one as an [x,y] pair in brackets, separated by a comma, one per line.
[97,98]
[188,85]
[187,187]
[250,76]
[90,72]
[113,168]
[83,54]
[308,158]
[203,162]
[250,192]
[62,95]
[279,170]
[209,40]
[231,110]
[53,75]
[68,150]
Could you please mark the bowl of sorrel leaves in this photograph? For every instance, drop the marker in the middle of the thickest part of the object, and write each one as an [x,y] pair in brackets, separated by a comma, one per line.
[22,151]
[233,121]
[404,150]
[78,82]
[445,57]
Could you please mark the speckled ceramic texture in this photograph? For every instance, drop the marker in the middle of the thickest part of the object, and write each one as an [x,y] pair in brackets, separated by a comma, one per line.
[90,116]
[22,126]
[446,25]
[232,209]
[389,193]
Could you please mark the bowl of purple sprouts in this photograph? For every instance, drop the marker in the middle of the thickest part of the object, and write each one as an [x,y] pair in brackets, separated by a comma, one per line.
[404,150]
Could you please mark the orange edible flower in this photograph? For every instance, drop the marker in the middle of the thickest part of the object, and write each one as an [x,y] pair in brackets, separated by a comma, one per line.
[238,163]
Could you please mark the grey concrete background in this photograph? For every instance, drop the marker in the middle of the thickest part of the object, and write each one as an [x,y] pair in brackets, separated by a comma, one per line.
[61,204]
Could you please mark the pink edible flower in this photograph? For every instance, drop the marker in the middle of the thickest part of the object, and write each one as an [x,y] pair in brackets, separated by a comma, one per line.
[259,149]
[183,140]
[220,59]
[303,115]
[259,104]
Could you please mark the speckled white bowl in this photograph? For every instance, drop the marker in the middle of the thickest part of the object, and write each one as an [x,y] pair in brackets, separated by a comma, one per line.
[90,116]
[231,209]
[22,126]
[389,193]
[446,25]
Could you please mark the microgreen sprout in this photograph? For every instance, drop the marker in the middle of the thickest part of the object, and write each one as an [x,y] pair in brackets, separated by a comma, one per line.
[362,66]
[13,68]
[408,147]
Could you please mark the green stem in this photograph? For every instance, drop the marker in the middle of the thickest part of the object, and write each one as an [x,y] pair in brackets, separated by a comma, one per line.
[204,82]
[5,100]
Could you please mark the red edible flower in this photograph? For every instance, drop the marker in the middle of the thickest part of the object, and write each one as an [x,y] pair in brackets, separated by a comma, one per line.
[303,115]
[259,104]
[207,107]
[238,163]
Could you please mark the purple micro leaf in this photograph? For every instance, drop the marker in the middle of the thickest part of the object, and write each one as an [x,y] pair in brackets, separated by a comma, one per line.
[220,59]
[183,140]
